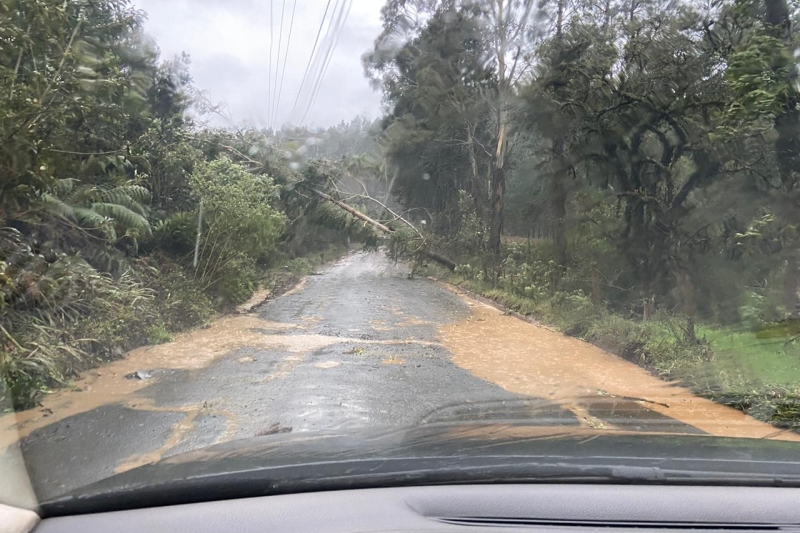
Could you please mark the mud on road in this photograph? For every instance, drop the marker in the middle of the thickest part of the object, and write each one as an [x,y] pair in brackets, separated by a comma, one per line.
[359,345]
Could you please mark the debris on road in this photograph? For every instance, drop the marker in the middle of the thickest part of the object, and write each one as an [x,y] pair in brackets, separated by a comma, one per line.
[139,374]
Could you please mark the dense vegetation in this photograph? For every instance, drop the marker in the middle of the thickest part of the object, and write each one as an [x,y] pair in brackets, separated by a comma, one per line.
[123,220]
[625,169]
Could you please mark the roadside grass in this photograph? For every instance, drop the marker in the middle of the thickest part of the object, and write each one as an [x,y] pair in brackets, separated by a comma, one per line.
[759,376]
[773,360]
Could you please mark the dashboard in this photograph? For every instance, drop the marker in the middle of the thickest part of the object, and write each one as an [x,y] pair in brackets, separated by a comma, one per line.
[551,508]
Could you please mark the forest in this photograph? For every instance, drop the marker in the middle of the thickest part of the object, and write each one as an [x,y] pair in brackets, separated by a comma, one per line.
[624,170]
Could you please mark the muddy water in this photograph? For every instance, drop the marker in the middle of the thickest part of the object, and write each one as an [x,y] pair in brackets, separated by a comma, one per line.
[527,359]
[258,298]
[107,384]
[190,351]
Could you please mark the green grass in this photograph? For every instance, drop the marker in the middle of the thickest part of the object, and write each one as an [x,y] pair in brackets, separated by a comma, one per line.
[159,334]
[752,360]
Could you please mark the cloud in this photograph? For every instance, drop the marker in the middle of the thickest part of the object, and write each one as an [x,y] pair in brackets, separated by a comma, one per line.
[229,44]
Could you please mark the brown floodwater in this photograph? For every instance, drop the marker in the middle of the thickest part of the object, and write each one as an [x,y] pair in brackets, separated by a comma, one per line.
[192,350]
[532,360]
[518,356]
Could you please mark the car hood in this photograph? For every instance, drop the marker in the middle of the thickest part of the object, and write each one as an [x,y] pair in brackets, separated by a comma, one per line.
[473,444]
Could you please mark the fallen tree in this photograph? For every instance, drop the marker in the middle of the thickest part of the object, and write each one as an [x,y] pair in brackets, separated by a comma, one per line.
[422,250]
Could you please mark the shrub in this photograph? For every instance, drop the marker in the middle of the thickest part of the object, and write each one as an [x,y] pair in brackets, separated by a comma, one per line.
[159,335]
[241,226]
[181,303]
[236,281]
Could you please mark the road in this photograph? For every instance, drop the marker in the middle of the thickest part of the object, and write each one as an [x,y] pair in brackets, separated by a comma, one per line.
[358,345]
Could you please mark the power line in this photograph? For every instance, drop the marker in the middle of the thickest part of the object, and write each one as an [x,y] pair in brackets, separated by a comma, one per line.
[321,52]
[269,70]
[319,59]
[313,49]
[285,59]
[338,34]
[278,57]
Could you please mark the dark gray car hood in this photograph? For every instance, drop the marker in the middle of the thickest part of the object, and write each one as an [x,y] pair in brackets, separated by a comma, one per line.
[441,450]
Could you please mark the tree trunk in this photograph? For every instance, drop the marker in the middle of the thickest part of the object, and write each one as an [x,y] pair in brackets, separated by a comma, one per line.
[558,198]
[558,192]
[498,199]
[596,296]
[689,307]
[498,183]
[791,282]
[479,194]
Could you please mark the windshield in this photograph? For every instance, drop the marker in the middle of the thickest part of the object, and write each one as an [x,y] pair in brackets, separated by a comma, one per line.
[231,223]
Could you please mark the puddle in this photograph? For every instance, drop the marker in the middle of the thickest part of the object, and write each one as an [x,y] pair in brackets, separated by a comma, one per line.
[285,367]
[527,359]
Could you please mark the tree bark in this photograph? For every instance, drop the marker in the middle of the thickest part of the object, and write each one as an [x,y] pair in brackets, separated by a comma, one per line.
[477,189]
[558,198]
[358,214]
[498,199]
[558,192]
[498,165]
[596,296]
[689,307]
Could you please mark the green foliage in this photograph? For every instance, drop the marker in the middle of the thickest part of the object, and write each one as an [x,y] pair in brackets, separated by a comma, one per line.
[64,315]
[241,226]
[181,303]
[758,75]
[159,335]
[112,212]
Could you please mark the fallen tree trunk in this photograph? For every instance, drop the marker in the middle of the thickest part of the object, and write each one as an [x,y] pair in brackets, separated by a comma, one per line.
[433,256]
[358,214]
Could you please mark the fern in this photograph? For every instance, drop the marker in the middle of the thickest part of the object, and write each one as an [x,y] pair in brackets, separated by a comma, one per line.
[57,207]
[109,211]
[123,216]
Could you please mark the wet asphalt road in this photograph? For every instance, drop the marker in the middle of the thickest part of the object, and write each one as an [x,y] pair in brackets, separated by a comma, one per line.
[389,370]
[355,346]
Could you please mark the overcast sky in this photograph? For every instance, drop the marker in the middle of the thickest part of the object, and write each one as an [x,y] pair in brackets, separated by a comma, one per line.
[229,42]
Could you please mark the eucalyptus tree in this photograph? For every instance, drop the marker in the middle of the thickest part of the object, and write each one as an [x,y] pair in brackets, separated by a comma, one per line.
[451,69]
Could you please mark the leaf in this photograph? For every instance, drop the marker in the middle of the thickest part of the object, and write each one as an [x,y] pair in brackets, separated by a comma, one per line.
[124,216]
